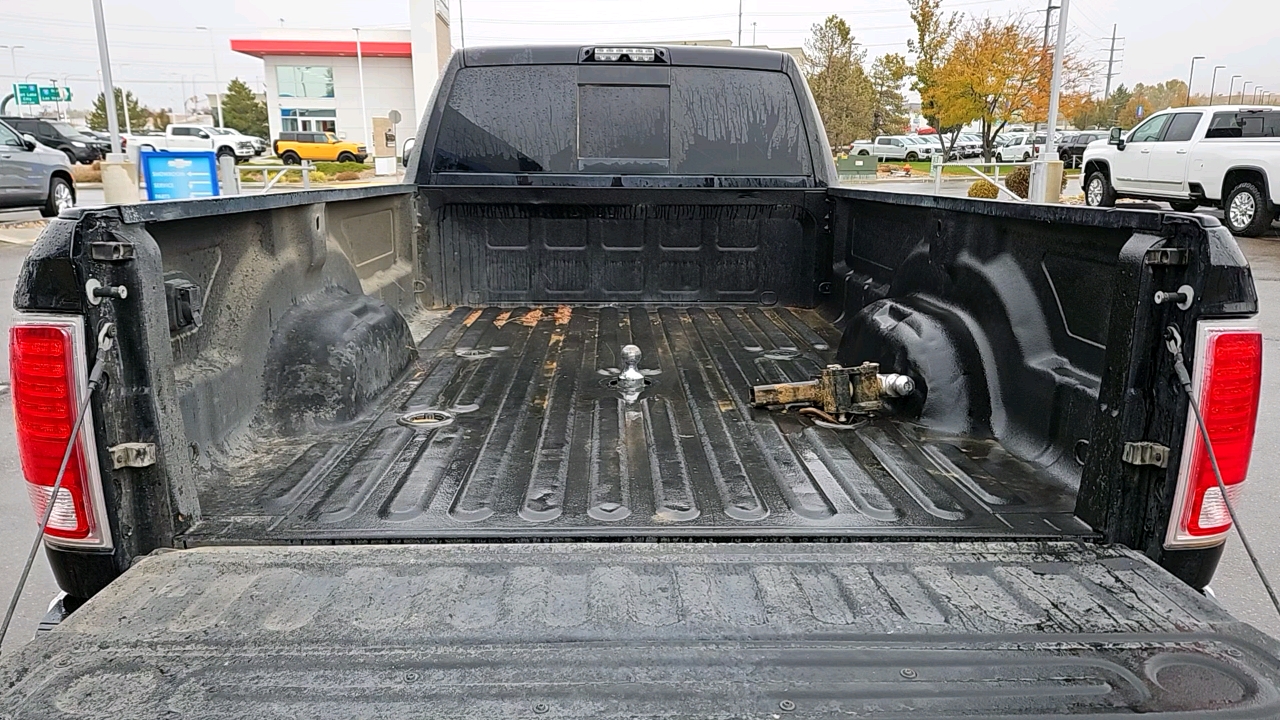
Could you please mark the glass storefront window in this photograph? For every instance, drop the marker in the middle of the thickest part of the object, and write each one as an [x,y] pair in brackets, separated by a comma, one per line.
[315,81]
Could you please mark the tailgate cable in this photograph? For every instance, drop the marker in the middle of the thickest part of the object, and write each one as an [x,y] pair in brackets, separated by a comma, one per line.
[1173,341]
[106,339]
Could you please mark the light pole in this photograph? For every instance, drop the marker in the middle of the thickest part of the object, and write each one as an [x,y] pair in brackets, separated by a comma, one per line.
[1214,82]
[1041,189]
[1244,89]
[13,64]
[1255,94]
[1192,76]
[108,85]
[364,110]
[182,88]
[217,87]
[1231,89]
[753,32]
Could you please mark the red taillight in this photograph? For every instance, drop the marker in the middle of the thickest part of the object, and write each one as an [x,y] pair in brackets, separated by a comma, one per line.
[1227,379]
[48,385]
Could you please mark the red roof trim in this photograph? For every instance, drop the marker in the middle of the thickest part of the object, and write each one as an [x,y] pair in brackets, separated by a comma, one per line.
[321,48]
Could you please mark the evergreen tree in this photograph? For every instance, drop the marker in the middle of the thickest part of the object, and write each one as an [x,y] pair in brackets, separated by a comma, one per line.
[844,94]
[887,75]
[97,118]
[243,111]
[160,119]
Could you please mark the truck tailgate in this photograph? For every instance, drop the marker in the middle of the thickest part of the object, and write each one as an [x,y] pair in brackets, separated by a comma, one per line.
[588,630]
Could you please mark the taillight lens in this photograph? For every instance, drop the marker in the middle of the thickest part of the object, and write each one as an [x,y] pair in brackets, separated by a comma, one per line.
[49,382]
[1227,380]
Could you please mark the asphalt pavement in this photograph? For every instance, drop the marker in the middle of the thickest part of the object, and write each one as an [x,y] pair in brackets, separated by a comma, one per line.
[1235,585]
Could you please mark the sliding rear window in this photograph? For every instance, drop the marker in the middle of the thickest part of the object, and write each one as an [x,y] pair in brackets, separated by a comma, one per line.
[678,120]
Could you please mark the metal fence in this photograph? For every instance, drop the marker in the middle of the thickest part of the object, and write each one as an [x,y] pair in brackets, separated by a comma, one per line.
[935,172]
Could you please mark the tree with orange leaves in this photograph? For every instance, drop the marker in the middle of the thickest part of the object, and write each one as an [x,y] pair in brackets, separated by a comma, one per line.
[998,71]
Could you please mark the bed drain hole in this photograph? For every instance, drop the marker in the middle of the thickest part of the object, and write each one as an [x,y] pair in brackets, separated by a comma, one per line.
[614,382]
[426,419]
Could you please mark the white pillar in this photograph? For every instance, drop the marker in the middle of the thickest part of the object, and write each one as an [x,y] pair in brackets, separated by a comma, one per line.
[429,35]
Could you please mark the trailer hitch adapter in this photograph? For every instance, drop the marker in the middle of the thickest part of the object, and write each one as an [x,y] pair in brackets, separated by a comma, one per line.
[837,391]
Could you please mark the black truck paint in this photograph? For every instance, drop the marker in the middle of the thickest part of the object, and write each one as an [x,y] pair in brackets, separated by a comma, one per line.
[499,286]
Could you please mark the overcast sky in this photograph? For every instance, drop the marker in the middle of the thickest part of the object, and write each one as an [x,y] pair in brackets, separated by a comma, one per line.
[156,48]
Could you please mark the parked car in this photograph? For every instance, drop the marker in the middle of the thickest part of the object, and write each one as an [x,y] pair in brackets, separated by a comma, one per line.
[892,147]
[259,145]
[1020,148]
[501,441]
[200,137]
[294,147]
[1071,149]
[970,145]
[1225,156]
[935,144]
[33,175]
[61,136]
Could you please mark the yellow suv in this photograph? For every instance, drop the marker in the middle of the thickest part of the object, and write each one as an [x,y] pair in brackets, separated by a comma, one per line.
[294,147]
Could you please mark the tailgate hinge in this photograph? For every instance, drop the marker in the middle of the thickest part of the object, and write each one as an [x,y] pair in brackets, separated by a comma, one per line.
[111,250]
[134,454]
[1146,453]
[1167,256]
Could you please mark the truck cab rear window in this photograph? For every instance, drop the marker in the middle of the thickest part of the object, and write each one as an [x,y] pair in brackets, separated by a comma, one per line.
[1244,125]
[704,121]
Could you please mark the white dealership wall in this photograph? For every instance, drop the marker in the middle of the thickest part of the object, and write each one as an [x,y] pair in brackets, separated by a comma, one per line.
[389,81]
[388,84]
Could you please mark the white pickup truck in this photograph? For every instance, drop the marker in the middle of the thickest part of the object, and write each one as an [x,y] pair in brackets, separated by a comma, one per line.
[200,137]
[1222,156]
[894,147]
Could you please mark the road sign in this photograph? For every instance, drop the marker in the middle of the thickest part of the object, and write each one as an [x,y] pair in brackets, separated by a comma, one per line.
[26,93]
[394,117]
[1139,113]
[55,94]
[179,175]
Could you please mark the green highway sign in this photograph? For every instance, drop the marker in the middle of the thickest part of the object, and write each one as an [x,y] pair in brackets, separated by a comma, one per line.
[32,94]
[55,94]
[26,93]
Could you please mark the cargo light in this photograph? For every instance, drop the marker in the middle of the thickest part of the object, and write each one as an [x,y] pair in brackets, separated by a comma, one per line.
[49,382]
[624,54]
[1226,380]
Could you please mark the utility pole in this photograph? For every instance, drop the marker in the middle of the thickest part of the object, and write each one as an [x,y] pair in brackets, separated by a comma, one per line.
[1048,14]
[13,63]
[1048,11]
[739,23]
[1111,63]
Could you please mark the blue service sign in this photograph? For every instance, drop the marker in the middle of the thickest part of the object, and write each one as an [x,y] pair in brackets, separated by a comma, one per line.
[178,175]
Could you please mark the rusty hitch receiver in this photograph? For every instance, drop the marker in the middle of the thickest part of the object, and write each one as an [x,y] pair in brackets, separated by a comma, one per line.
[837,391]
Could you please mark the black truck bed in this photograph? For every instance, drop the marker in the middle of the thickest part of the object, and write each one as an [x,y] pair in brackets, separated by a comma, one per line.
[541,443]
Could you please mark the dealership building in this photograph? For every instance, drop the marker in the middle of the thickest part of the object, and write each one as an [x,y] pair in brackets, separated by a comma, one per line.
[313,78]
